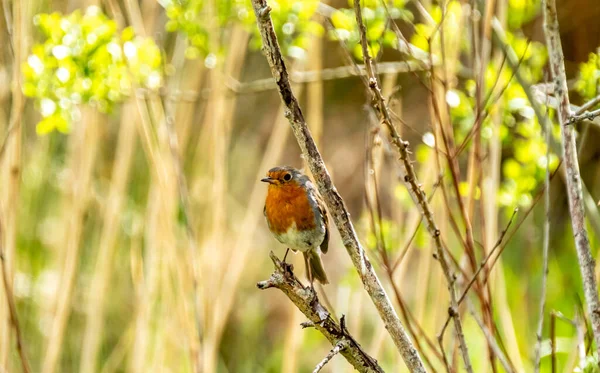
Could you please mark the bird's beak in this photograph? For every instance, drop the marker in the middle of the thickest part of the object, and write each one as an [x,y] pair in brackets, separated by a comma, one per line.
[268,180]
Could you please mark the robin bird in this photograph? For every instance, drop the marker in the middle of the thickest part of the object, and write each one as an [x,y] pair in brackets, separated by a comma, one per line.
[297,218]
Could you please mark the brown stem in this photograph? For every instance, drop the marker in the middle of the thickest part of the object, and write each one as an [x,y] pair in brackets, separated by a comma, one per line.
[410,179]
[12,309]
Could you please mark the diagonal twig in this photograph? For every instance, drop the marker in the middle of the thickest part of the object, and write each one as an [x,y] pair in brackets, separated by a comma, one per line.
[492,341]
[412,184]
[334,351]
[305,299]
[588,105]
[490,255]
[483,265]
[332,198]
[12,309]
[589,115]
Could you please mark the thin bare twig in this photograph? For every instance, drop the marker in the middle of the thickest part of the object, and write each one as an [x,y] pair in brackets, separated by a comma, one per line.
[332,198]
[482,266]
[410,179]
[545,248]
[487,258]
[574,189]
[12,309]
[184,198]
[492,342]
[305,299]
[590,115]
[332,73]
[553,340]
[588,105]
[579,329]
[236,87]
[375,213]
[334,351]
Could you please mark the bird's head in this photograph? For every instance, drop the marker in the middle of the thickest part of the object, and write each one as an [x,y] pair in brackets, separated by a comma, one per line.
[281,176]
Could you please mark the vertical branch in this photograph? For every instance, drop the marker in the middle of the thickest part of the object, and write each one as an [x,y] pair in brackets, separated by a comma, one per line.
[553,340]
[411,181]
[574,188]
[82,167]
[11,179]
[99,286]
[332,198]
[219,119]
[175,194]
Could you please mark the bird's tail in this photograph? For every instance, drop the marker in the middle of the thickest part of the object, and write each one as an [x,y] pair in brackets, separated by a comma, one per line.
[313,260]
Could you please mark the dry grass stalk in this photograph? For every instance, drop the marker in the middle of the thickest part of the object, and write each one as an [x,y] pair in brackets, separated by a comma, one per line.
[513,62]
[13,318]
[106,248]
[161,145]
[82,167]
[11,162]
[217,254]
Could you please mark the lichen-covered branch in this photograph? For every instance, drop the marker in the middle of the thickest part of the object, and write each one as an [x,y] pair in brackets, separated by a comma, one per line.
[574,188]
[332,198]
[305,299]
[412,183]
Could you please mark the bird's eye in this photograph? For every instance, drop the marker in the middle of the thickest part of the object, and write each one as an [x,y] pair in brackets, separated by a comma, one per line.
[287,177]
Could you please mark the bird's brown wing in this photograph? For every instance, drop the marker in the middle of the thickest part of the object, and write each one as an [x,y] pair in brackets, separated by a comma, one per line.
[323,211]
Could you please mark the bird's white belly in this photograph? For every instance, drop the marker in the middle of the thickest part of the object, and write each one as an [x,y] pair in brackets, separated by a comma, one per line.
[301,240]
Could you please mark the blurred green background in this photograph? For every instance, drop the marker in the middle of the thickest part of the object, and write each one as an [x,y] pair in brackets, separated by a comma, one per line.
[135,134]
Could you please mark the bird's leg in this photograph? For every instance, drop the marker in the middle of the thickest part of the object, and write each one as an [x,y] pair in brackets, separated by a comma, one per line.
[287,268]
[286,252]
[309,272]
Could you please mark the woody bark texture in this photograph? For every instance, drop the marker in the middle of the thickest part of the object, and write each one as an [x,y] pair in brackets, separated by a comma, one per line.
[332,198]
[574,189]
[305,299]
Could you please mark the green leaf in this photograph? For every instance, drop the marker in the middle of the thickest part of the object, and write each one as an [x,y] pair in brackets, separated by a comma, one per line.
[342,20]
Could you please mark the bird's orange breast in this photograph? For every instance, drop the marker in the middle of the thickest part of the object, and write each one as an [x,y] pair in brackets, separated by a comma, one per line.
[288,204]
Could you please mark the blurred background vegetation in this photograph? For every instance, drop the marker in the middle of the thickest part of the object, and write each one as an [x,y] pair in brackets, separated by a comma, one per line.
[136,131]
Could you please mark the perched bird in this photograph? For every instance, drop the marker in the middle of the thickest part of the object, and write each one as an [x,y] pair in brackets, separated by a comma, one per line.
[296,216]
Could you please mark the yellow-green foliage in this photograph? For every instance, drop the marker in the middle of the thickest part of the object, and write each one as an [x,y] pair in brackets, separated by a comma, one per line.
[522,11]
[292,19]
[423,32]
[589,77]
[376,16]
[525,164]
[84,59]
